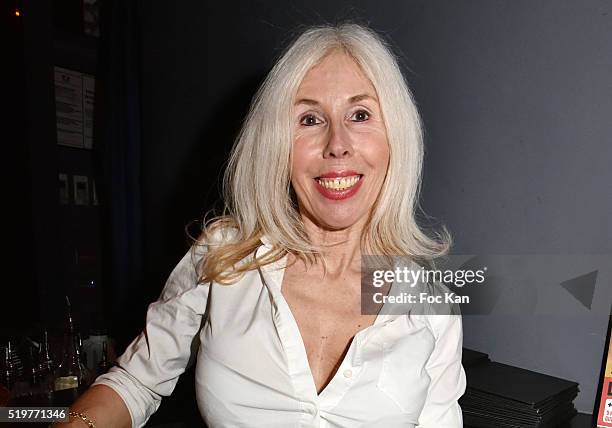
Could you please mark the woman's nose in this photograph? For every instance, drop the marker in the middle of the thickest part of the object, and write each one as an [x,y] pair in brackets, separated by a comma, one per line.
[338,143]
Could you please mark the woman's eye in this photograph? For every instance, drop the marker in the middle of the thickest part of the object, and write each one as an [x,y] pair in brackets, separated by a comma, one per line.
[309,120]
[360,116]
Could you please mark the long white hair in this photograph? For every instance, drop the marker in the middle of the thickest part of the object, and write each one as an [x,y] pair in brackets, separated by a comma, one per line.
[257,189]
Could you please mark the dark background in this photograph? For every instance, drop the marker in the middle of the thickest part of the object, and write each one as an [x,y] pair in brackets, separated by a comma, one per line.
[515,97]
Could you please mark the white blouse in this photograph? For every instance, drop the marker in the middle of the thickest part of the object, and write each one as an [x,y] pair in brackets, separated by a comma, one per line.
[252,368]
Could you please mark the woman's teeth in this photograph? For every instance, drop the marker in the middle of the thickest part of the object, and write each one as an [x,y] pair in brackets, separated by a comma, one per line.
[339,183]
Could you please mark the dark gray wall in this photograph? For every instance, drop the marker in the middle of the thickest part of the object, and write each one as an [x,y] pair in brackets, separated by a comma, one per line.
[516,99]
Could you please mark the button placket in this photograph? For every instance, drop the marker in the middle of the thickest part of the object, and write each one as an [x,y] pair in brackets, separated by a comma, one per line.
[297,360]
[347,374]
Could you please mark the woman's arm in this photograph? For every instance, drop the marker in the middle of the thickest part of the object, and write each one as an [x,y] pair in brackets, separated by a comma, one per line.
[103,406]
[150,366]
[448,381]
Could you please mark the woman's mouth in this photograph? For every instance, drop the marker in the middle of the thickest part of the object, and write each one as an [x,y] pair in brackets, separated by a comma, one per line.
[337,188]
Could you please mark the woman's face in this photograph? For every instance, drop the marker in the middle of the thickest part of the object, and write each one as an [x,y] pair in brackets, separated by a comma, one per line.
[340,150]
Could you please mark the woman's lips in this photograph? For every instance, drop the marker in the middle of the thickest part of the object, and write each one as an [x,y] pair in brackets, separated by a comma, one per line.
[339,187]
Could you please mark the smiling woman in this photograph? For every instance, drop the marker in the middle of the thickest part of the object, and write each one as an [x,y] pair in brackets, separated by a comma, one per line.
[326,168]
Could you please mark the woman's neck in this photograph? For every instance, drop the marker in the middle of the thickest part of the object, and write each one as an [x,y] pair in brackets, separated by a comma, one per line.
[340,249]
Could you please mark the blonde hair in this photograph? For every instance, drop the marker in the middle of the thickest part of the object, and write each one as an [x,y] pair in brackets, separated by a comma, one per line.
[257,190]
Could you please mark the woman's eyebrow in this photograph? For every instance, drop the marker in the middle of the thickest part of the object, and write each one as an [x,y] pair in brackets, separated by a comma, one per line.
[307,101]
[361,97]
[351,100]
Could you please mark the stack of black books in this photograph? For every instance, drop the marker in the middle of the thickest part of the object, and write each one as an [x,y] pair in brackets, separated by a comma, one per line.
[499,395]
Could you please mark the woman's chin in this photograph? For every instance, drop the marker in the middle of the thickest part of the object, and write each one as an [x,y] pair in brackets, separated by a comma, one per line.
[336,217]
[339,223]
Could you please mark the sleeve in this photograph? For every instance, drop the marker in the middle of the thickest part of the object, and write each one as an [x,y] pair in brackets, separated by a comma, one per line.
[152,363]
[447,375]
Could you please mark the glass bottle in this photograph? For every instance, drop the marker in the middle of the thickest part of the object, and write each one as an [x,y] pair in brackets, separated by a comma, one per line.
[46,365]
[92,346]
[84,370]
[82,353]
[9,374]
[34,374]
[104,365]
[46,360]
[69,373]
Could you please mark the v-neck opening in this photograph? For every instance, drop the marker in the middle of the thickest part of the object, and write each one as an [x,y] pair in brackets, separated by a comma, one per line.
[281,301]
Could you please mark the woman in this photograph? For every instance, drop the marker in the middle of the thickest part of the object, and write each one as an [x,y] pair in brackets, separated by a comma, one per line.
[326,167]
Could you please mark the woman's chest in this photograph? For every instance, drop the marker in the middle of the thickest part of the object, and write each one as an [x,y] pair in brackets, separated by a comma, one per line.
[328,316]
[252,356]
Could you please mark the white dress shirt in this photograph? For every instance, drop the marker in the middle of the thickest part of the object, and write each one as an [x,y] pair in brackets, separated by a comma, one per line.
[252,369]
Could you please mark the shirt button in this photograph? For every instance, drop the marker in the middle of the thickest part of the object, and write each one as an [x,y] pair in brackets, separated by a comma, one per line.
[310,410]
[348,373]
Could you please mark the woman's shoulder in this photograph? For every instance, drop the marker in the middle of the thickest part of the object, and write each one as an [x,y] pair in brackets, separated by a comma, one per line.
[186,273]
[213,236]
